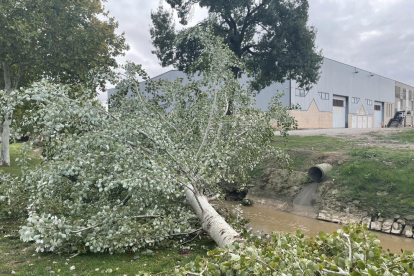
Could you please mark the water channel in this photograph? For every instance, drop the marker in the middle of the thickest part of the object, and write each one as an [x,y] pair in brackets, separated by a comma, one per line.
[267,220]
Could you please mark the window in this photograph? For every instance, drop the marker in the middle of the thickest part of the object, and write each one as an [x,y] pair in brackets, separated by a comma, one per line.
[301,92]
[355,100]
[377,107]
[397,92]
[369,102]
[324,96]
[339,103]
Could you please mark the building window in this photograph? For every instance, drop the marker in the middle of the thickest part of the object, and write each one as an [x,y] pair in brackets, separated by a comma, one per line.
[355,100]
[301,92]
[377,107]
[369,102]
[339,103]
[324,96]
[397,92]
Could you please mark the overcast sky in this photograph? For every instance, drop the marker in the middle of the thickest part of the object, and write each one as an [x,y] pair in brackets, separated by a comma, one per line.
[375,35]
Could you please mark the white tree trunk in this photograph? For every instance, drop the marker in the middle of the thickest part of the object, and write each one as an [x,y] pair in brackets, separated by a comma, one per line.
[5,142]
[5,134]
[214,224]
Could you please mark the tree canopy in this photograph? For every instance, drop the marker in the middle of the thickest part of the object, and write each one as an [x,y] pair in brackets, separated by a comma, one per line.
[61,40]
[270,36]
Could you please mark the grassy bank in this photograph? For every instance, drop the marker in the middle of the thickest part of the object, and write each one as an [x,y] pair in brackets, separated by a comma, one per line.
[375,171]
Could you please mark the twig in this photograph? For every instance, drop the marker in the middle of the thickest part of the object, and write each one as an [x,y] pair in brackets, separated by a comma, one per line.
[340,272]
[74,255]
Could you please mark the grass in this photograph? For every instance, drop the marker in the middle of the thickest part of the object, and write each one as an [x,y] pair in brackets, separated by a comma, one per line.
[24,260]
[301,151]
[14,169]
[406,136]
[381,179]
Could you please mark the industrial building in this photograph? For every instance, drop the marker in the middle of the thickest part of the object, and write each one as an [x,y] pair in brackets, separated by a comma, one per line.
[344,97]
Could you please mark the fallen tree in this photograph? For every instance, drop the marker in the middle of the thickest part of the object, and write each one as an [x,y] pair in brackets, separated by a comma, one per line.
[125,179]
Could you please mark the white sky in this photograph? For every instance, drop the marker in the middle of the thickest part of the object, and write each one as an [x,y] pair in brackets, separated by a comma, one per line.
[375,35]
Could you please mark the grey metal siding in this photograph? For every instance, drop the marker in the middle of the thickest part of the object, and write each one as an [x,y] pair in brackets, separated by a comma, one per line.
[340,79]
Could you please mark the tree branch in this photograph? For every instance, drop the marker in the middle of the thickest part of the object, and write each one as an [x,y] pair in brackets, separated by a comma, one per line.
[209,123]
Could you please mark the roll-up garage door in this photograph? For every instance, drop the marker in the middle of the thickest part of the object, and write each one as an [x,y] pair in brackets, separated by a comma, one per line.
[339,112]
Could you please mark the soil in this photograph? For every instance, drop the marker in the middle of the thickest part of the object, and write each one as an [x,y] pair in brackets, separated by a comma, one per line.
[363,137]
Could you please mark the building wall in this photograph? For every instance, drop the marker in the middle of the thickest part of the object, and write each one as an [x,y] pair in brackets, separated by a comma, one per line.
[312,117]
[405,94]
[342,80]
[336,79]
[262,99]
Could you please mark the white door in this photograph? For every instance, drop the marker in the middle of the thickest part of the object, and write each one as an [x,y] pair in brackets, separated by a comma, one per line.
[399,105]
[364,121]
[360,121]
[354,121]
[339,111]
[369,122]
[377,115]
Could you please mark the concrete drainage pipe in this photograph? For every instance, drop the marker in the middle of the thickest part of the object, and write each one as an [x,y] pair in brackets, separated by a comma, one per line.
[318,172]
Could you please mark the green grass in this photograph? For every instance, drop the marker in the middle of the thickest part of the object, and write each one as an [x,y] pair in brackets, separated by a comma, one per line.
[14,169]
[405,136]
[382,179]
[24,260]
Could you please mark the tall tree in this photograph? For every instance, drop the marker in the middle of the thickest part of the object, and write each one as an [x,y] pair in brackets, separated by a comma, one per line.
[61,40]
[271,37]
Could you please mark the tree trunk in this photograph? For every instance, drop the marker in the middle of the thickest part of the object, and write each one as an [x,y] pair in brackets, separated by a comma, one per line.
[5,141]
[211,222]
[5,133]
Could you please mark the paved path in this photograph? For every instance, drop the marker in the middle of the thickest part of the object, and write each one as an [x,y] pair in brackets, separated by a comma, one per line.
[333,132]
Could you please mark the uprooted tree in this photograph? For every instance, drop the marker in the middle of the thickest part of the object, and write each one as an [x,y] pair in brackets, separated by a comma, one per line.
[141,173]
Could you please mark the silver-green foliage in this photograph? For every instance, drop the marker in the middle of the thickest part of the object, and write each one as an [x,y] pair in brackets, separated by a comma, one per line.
[352,251]
[115,180]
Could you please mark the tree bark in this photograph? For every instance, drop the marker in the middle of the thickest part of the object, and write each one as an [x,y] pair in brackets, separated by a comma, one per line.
[211,222]
[5,142]
[5,134]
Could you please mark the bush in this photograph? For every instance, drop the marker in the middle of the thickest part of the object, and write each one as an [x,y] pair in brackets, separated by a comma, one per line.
[352,250]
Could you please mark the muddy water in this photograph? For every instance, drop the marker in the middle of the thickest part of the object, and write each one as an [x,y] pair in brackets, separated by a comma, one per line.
[268,220]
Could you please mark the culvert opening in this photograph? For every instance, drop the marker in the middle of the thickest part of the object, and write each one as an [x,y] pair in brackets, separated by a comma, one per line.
[315,174]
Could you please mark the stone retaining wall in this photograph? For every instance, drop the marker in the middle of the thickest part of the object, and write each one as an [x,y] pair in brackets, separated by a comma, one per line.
[396,226]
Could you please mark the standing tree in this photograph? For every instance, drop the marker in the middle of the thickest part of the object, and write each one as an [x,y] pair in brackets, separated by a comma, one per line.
[61,40]
[270,36]
[125,179]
